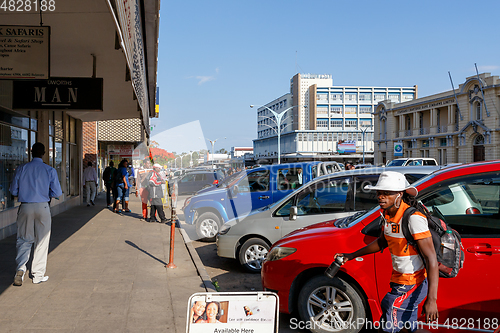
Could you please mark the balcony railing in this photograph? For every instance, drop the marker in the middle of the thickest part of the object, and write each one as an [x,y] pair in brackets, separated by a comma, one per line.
[456,127]
[397,134]
[408,132]
[423,131]
[442,129]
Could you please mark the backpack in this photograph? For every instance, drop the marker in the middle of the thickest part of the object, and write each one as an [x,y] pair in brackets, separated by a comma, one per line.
[117,177]
[438,229]
[107,175]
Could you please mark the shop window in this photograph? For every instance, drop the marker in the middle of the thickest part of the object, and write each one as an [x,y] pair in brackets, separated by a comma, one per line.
[14,148]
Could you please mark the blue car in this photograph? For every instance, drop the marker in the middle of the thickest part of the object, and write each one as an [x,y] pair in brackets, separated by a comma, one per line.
[246,191]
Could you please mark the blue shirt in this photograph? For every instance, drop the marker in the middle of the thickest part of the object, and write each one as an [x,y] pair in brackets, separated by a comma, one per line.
[35,182]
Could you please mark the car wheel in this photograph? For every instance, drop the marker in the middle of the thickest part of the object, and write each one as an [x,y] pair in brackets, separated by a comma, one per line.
[208,225]
[252,254]
[330,305]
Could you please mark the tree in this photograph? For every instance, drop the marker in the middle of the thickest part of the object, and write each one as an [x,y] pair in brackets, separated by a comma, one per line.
[161,156]
[221,151]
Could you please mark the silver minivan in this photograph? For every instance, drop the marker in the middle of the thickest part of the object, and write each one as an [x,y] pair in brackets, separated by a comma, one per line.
[325,198]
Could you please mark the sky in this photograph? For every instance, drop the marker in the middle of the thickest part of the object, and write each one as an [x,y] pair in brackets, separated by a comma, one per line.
[216,58]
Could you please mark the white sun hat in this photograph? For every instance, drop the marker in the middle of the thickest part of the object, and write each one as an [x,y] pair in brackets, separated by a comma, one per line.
[156,165]
[393,181]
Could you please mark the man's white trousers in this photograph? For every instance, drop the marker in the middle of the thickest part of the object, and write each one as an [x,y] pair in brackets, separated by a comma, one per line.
[33,227]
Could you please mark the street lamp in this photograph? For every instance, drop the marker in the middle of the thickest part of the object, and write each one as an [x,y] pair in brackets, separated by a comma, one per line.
[192,152]
[213,144]
[363,132]
[278,117]
[181,159]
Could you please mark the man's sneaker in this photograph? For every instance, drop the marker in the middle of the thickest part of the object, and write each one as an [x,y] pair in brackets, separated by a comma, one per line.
[19,278]
[88,205]
[43,279]
[92,202]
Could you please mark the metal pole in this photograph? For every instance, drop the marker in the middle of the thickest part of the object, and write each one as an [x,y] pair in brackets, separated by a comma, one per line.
[279,146]
[213,143]
[454,94]
[482,93]
[173,219]
[363,133]
[172,239]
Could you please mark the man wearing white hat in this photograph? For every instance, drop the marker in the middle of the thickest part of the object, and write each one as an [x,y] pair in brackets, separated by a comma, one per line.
[156,194]
[412,280]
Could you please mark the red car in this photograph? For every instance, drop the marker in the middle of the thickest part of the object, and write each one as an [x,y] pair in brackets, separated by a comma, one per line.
[467,197]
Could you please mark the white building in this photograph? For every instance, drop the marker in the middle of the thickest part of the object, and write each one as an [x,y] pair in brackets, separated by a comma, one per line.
[319,116]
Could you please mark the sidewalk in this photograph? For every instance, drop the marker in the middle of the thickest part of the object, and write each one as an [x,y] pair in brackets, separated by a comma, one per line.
[106,273]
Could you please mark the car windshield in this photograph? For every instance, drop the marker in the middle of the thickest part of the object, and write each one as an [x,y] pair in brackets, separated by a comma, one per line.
[346,221]
[396,163]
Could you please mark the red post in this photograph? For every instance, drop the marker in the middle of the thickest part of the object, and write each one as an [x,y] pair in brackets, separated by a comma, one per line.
[173,218]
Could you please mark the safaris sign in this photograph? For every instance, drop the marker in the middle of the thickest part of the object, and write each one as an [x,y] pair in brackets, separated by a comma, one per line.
[24,52]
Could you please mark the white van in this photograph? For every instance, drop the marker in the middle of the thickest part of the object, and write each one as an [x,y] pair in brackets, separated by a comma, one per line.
[416,161]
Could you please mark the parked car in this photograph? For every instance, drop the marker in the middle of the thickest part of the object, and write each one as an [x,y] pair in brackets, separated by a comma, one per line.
[295,264]
[412,161]
[249,190]
[194,181]
[325,198]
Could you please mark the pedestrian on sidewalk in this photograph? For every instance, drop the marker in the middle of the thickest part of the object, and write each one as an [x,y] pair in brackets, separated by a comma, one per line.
[143,176]
[107,176]
[156,194]
[35,184]
[122,187]
[90,180]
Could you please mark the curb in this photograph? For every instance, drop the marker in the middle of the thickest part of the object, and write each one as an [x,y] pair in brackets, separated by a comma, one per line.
[202,272]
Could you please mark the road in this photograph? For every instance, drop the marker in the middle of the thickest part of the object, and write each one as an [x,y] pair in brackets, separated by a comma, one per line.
[229,274]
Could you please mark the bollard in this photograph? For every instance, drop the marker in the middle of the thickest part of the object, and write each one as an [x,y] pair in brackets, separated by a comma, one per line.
[173,219]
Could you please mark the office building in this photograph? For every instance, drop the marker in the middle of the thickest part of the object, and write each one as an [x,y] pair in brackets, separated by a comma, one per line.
[457,126]
[319,117]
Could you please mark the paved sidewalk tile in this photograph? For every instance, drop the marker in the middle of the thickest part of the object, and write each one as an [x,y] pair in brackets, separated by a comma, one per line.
[107,274]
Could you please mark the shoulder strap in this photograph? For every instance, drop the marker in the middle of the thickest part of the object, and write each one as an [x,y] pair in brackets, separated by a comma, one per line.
[405,228]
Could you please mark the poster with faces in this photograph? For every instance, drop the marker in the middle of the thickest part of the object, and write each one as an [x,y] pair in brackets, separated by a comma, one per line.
[233,312]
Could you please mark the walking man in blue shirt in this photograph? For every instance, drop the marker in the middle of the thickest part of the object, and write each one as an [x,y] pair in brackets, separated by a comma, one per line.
[35,183]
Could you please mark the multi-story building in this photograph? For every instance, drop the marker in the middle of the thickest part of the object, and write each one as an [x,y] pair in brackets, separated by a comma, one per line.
[319,116]
[456,126]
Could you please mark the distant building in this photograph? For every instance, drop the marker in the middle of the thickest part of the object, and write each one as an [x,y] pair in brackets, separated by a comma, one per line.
[452,127]
[240,151]
[240,155]
[320,116]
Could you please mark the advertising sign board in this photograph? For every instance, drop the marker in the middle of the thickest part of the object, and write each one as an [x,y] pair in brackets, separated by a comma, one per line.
[24,52]
[346,147]
[69,93]
[233,312]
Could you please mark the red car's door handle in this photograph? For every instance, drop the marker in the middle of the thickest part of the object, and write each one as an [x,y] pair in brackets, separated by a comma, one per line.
[484,249]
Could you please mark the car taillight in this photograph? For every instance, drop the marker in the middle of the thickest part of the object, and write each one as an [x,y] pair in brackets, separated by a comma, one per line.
[215,182]
[472,210]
